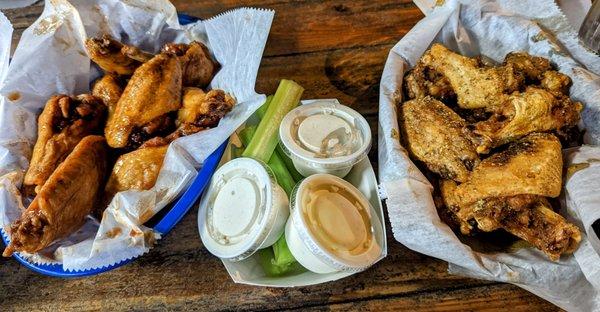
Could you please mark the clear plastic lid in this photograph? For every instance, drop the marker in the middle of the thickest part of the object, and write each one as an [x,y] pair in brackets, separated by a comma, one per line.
[325,134]
[239,210]
[335,222]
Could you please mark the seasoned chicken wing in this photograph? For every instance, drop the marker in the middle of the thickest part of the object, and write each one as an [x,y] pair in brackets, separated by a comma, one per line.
[532,67]
[437,136]
[109,88]
[196,62]
[136,170]
[531,218]
[142,112]
[62,124]
[422,81]
[534,110]
[114,57]
[475,86]
[64,201]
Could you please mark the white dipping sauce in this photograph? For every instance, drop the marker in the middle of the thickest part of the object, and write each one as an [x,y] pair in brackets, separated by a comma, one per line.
[325,137]
[243,210]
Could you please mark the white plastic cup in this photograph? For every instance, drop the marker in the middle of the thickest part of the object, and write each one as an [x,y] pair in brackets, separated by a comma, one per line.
[325,137]
[304,236]
[243,210]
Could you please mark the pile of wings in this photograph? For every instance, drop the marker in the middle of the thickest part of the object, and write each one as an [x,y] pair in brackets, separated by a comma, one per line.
[141,104]
[492,134]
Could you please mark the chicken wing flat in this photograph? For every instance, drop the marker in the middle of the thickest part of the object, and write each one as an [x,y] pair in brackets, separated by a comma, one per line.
[142,111]
[64,201]
[136,170]
[437,136]
[197,65]
[534,110]
[61,125]
[530,218]
[533,165]
[114,57]
[422,81]
[475,86]
[109,89]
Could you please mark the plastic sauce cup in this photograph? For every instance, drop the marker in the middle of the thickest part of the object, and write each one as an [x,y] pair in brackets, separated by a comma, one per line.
[243,210]
[325,137]
[330,228]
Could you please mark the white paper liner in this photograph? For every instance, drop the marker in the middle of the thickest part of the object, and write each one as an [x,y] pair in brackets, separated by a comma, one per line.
[493,29]
[51,58]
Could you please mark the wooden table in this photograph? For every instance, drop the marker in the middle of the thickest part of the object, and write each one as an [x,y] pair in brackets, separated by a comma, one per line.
[334,49]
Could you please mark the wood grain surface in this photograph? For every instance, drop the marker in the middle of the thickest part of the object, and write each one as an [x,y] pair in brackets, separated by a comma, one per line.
[335,49]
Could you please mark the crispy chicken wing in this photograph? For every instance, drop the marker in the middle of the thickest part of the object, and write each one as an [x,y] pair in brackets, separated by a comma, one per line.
[486,201]
[475,86]
[437,136]
[136,170]
[62,124]
[64,201]
[531,218]
[197,65]
[204,109]
[534,110]
[142,112]
[114,57]
[422,81]
[109,88]
[532,67]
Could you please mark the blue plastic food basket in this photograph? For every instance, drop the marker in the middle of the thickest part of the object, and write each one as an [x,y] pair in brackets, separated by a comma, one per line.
[163,226]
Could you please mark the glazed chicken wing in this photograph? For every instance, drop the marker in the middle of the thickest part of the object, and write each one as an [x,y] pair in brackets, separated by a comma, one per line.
[142,112]
[204,109]
[438,137]
[64,201]
[62,124]
[197,65]
[108,88]
[475,86]
[114,57]
[534,110]
[136,170]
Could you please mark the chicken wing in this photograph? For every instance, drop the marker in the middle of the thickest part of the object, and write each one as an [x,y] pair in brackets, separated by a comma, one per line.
[531,218]
[64,201]
[204,109]
[475,86]
[532,67]
[534,110]
[422,81]
[143,110]
[437,136]
[136,170]
[109,88]
[114,57]
[196,62]
[62,124]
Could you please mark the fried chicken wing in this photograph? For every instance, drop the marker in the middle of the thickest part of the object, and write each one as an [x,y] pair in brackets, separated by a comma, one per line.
[204,109]
[108,88]
[534,110]
[437,136]
[422,81]
[136,170]
[114,57]
[196,62]
[142,112]
[532,67]
[64,201]
[62,124]
[530,218]
[475,86]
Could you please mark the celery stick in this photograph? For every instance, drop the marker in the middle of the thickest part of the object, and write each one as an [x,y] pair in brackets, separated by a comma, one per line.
[284,179]
[260,112]
[274,268]
[288,163]
[267,134]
